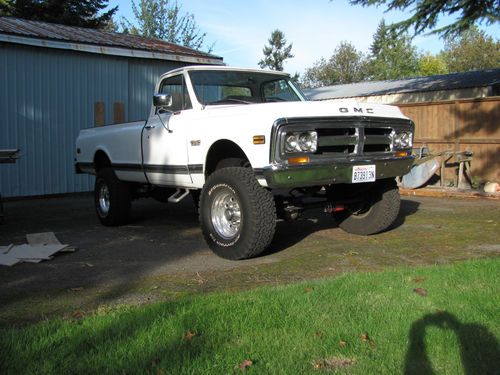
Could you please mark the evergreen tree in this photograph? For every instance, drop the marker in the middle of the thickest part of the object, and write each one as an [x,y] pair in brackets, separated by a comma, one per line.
[472,50]
[276,52]
[163,19]
[392,56]
[83,13]
[425,13]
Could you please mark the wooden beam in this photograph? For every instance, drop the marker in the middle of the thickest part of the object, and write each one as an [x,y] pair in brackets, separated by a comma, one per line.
[99,114]
[464,141]
[118,113]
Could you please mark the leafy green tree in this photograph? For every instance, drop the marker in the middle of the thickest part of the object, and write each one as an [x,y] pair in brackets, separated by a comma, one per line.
[392,55]
[430,65]
[3,6]
[471,50]
[83,13]
[346,65]
[426,13]
[276,52]
[163,19]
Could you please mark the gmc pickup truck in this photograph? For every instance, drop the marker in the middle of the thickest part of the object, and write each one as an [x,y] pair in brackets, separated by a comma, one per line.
[250,149]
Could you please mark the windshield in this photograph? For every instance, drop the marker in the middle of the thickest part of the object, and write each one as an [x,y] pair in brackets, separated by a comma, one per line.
[214,87]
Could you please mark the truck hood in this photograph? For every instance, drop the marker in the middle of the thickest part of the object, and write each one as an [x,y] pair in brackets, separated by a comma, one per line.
[274,111]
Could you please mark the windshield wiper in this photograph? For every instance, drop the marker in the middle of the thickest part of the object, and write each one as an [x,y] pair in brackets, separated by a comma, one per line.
[229,100]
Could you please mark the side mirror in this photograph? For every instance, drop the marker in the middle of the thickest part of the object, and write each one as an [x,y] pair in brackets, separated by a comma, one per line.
[162,100]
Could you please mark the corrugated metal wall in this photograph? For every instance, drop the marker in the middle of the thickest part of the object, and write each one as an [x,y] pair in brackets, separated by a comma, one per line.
[48,95]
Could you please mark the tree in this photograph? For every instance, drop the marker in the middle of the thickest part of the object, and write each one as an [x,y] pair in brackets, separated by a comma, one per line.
[425,13]
[277,52]
[346,65]
[3,6]
[163,19]
[431,65]
[472,50]
[392,56]
[83,13]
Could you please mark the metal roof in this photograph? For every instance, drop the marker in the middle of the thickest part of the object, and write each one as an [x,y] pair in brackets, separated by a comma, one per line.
[479,78]
[43,34]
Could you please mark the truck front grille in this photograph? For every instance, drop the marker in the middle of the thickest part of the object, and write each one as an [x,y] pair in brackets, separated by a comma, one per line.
[377,140]
[337,141]
[353,140]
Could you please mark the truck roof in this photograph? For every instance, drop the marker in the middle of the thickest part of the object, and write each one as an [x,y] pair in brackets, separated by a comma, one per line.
[223,68]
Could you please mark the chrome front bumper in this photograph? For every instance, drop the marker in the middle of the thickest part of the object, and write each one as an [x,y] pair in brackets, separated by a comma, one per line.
[332,172]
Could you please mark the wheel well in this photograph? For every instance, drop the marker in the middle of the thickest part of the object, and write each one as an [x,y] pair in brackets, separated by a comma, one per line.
[221,150]
[101,161]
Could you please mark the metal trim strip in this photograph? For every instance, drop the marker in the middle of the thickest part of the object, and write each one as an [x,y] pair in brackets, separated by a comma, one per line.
[105,50]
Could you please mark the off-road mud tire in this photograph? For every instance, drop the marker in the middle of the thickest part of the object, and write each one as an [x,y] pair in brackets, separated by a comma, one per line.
[380,210]
[255,205]
[118,198]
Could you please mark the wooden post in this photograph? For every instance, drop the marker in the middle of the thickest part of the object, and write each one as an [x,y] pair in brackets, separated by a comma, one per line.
[99,114]
[441,177]
[118,113]
[458,123]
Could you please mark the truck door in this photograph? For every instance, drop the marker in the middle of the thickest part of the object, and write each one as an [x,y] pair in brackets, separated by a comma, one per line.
[164,147]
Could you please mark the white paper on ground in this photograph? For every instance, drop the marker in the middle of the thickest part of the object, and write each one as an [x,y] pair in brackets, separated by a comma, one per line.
[47,238]
[41,246]
[7,259]
[35,252]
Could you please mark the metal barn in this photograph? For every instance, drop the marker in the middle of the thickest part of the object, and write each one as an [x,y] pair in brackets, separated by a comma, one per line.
[56,80]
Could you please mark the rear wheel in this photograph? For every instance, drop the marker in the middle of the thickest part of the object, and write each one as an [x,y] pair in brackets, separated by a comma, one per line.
[237,215]
[375,214]
[112,198]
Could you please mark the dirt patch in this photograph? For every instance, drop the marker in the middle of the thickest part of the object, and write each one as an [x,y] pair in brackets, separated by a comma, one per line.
[493,248]
[161,253]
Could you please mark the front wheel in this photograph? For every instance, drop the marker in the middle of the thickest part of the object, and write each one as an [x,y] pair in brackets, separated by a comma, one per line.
[112,198]
[376,213]
[237,215]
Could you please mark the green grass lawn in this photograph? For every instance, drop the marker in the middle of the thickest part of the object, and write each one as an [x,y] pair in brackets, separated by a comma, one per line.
[359,323]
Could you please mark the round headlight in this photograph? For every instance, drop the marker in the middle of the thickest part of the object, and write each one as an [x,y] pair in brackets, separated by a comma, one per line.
[397,140]
[405,140]
[308,141]
[291,143]
[305,141]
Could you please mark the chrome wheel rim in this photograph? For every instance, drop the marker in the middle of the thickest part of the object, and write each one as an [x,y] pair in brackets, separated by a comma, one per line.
[226,215]
[103,200]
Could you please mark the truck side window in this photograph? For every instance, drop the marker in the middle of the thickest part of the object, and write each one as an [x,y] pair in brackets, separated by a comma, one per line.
[278,90]
[176,87]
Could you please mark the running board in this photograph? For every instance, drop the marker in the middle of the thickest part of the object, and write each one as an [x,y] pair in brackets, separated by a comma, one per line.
[179,195]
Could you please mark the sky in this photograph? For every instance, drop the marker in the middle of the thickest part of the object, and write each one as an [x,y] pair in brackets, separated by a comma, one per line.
[240,29]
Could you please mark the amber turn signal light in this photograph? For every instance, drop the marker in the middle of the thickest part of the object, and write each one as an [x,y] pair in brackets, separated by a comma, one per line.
[299,160]
[259,139]
[401,154]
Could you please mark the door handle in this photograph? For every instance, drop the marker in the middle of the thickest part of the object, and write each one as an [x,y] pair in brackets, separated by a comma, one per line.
[149,127]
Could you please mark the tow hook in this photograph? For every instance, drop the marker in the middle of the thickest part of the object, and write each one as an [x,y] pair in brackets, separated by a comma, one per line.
[330,208]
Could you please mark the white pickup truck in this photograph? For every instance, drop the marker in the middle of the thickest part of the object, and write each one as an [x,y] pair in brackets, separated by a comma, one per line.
[249,148]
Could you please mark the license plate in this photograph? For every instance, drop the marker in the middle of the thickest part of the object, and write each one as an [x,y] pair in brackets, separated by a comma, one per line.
[363,173]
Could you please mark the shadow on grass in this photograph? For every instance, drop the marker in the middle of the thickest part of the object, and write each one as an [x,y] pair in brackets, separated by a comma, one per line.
[479,349]
[126,342]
